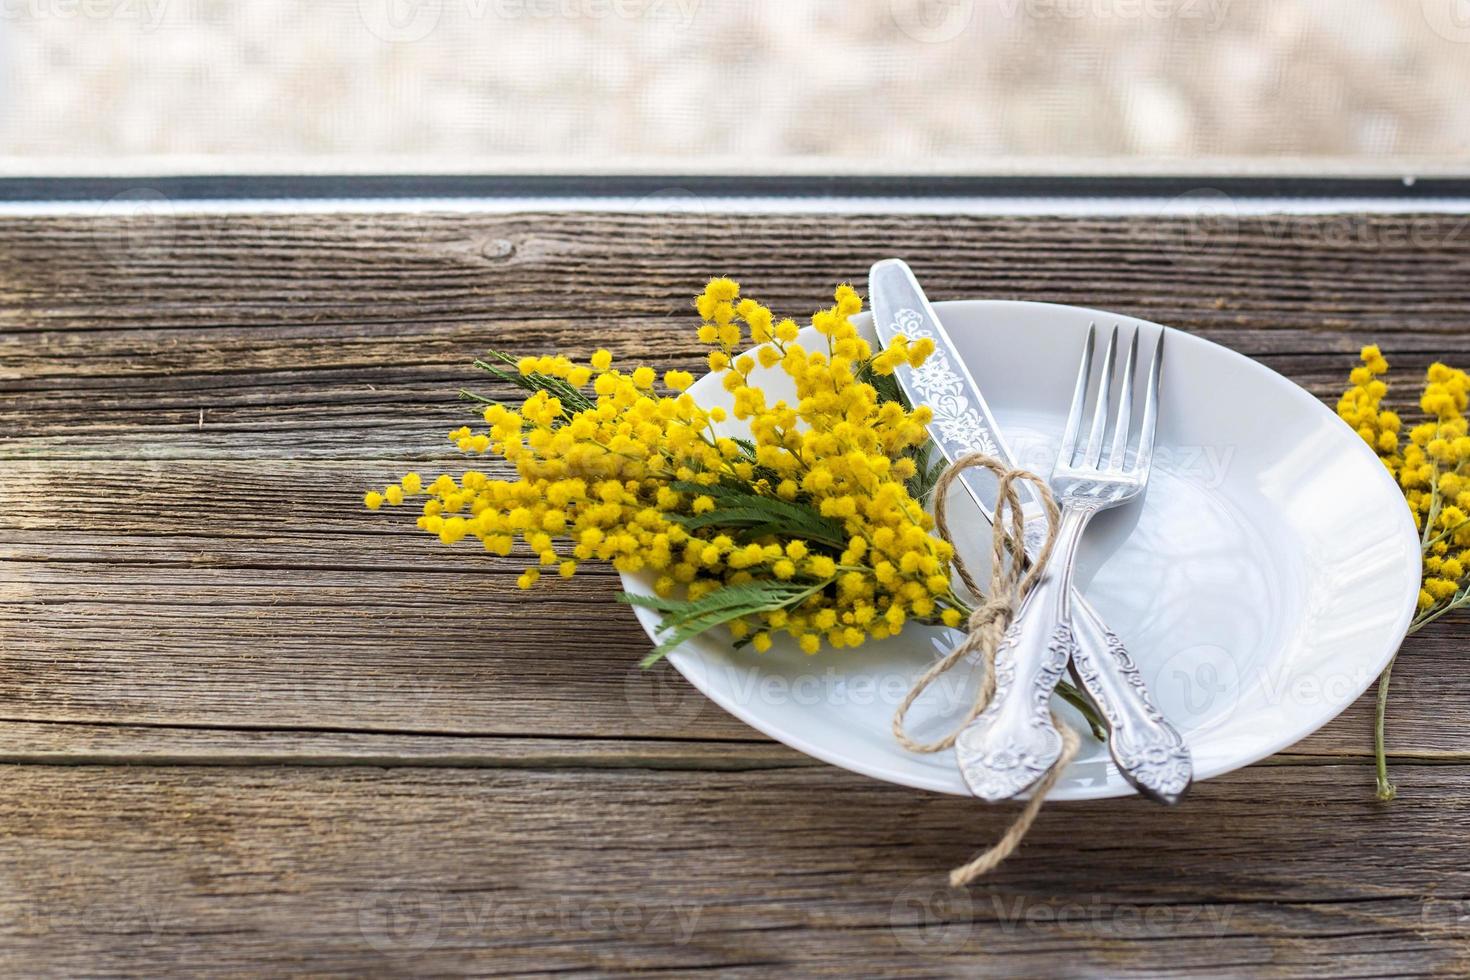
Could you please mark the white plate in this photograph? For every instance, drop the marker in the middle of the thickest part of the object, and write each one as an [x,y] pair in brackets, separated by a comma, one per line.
[1262,584]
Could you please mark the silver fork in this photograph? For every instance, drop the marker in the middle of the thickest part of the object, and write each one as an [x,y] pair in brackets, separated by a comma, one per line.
[1014,742]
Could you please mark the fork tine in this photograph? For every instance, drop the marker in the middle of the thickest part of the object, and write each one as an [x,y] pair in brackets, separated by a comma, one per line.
[1125,408]
[1093,454]
[1079,397]
[1150,412]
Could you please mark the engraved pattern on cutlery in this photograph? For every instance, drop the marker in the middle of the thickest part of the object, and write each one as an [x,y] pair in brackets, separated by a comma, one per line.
[943,389]
[1153,756]
[999,768]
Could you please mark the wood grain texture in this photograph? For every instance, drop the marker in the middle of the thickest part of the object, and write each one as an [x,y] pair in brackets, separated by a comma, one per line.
[445,871]
[319,609]
[247,726]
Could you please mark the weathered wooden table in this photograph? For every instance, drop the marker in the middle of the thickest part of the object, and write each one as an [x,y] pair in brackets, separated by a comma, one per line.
[250,727]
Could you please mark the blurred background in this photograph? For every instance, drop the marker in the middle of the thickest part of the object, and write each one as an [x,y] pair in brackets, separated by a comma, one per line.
[813,86]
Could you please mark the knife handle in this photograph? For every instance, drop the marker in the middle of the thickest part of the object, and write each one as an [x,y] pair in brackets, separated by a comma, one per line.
[1149,752]
[1013,742]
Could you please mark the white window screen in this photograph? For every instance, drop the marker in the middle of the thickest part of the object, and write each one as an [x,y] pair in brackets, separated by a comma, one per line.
[778,86]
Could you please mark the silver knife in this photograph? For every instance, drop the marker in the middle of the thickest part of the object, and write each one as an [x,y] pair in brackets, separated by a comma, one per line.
[1149,751]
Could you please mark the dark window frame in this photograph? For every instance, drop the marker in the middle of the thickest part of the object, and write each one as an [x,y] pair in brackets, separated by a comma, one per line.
[389,187]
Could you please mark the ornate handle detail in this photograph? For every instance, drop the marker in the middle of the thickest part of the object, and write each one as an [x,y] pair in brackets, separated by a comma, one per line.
[1149,751]
[1013,742]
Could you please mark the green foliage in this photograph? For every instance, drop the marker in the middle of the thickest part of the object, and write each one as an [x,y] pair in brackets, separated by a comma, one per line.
[928,467]
[752,515]
[683,619]
[572,399]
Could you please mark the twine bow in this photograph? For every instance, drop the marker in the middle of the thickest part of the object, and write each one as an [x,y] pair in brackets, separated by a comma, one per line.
[1011,578]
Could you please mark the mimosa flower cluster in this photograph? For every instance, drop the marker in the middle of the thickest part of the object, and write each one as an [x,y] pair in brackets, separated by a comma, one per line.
[803,517]
[1433,468]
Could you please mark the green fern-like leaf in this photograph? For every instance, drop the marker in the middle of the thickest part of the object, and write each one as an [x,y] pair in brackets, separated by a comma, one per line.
[684,619]
[738,508]
[573,400]
[930,464]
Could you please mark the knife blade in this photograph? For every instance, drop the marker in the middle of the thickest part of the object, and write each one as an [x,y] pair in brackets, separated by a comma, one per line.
[1148,750]
[963,422]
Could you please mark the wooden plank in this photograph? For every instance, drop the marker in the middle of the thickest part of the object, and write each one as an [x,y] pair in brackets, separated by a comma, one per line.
[353,871]
[1319,271]
[217,592]
[144,406]
[103,744]
[115,743]
[277,372]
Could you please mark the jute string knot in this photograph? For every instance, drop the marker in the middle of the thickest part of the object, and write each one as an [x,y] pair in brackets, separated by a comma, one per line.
[1011,578]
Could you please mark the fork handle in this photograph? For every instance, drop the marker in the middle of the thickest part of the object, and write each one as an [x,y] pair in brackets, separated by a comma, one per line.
[1149,752]
[1014,742]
